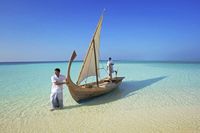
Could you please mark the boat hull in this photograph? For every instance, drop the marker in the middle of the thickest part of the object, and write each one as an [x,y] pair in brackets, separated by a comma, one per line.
[86,91]
[91,90]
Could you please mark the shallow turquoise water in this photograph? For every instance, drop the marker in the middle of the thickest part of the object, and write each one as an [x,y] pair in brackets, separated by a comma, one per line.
[31,81]
[28,82]
[25,88]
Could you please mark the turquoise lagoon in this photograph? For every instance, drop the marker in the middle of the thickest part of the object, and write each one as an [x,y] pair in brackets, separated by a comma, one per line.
[154,97]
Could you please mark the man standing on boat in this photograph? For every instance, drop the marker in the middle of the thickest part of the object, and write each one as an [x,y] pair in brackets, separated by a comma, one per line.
[56,96]
[110,68]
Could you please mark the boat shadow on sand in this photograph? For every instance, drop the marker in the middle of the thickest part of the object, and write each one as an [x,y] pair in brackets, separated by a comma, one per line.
[126,89]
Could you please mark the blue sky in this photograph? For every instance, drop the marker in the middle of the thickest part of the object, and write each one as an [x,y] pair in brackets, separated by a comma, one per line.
[144,30]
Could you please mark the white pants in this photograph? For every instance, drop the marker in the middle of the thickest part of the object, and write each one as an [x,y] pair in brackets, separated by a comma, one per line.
[56,99]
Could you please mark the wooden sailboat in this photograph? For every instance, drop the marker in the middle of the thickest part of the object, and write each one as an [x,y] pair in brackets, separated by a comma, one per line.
[90,67]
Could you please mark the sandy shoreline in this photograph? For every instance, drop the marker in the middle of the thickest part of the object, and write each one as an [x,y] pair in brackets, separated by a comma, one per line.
[90,118]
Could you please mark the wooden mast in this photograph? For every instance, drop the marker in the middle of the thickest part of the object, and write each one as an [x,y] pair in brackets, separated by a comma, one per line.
[95,58]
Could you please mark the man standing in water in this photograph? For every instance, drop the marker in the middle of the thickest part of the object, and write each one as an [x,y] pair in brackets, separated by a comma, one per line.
[56,96]
[110,68]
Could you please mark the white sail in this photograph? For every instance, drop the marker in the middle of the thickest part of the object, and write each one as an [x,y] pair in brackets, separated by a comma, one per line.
[89,68]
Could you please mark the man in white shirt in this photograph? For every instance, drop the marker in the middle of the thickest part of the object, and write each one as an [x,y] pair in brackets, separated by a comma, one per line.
[56,96]
[110,68]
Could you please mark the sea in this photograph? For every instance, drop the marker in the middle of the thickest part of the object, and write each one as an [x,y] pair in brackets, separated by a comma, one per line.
[154,97]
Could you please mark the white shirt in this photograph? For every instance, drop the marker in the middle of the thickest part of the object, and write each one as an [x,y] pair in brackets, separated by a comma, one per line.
[57,88]
[110,65]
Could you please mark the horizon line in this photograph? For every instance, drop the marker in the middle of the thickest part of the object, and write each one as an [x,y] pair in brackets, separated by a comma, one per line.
[53,61]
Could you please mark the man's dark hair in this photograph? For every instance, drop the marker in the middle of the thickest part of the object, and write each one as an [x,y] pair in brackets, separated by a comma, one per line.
[57,69]
[110,58]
